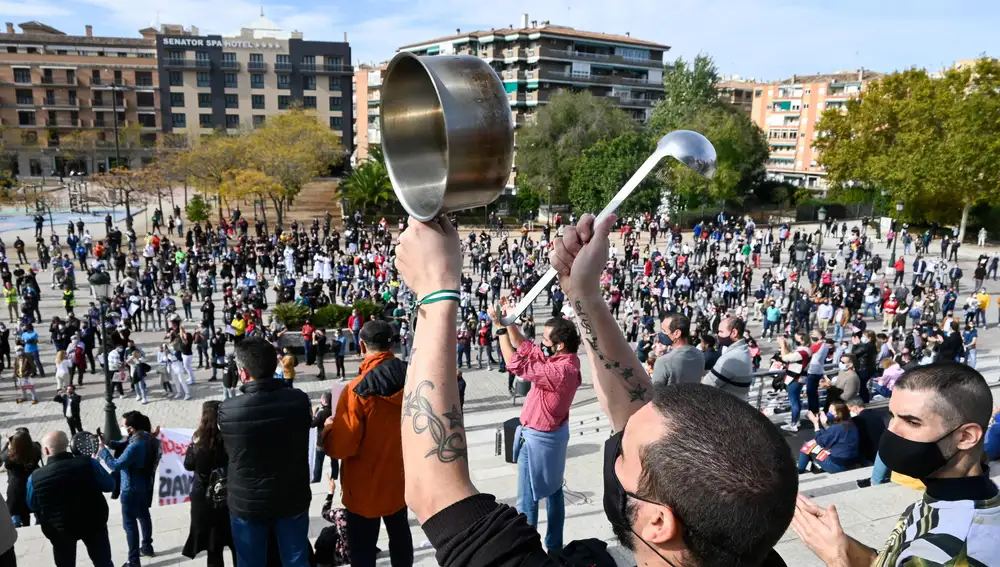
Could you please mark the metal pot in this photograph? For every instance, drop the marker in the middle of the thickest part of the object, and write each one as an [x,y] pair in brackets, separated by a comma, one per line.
[447,133]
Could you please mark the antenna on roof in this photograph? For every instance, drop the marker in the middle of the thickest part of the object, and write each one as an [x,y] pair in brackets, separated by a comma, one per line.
[262,9]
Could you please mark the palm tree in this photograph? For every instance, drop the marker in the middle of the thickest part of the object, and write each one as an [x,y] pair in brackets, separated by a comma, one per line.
[367,185]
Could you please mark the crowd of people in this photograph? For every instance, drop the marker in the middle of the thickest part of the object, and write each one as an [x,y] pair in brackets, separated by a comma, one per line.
[664,316]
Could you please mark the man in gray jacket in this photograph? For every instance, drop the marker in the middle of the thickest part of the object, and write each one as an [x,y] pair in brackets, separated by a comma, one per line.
[683,363]
[733,371]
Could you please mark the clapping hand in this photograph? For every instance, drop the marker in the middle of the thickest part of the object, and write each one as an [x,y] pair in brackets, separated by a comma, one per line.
[492,311]
[820,530]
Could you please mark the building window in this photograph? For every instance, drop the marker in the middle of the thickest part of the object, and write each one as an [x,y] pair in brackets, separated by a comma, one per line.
[309,102]
[282,59]
[176,79]
[147,120]
[256,81]
[204,79]
[118,78]
[335,102]
[24,96]
[178,120]
[143,78]
[12,49]
[334,83]
[257,101]
[256,57]
[232,121]
[309,83]
[258,120]
[177,100]
[26,117]
[204,100]
[336,122]
[284,101]
[122,54]
[231,82]
[22,75]
[144,100]
[232,101]
[308,59]
[32,50]
[205,120]
[228,57]
[284,81]
[201,56]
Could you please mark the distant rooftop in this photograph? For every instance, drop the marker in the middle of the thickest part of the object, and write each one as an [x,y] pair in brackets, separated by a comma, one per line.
[37,32]
[835,77]
[549,29]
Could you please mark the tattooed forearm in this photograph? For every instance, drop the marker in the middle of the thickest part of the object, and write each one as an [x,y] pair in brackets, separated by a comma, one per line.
[449,441]
[635,388]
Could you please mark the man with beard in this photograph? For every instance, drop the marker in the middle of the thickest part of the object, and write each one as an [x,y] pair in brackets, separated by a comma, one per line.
[670,489]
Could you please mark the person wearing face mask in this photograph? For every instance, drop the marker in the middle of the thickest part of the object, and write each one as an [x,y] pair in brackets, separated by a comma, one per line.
[863,349]
[364,435]
[835,448]
[541,441]
[846,384]
[683,363]
[669,491]
[940,414]
[733,369]
[266,494]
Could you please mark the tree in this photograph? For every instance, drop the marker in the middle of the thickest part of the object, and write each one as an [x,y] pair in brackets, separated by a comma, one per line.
[197,209]
[605,167]
[528,199]
[292,148]
[687,90]
[692,103]
[741,150]
[367,186]
[239,184]
[208,162]
[120,187]
[931,143]
[549,148]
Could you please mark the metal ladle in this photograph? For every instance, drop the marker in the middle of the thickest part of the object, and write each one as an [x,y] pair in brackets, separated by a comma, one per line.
[686,146]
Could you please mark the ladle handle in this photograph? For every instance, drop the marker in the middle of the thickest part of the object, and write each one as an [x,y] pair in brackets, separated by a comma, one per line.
[616,201]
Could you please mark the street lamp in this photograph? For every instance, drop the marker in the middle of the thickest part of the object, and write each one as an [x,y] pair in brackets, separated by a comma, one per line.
[101,282]
[899,209]
[114,112]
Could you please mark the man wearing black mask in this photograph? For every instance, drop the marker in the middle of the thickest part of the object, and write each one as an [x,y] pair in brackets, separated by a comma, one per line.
[940,415]
[670,491]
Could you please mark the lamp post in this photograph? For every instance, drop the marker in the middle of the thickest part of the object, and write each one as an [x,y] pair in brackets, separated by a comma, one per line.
[895,221]
[101,282]
[114,112]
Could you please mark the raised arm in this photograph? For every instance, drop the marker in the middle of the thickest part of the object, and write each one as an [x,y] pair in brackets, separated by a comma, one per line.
[435,456]
[620,380]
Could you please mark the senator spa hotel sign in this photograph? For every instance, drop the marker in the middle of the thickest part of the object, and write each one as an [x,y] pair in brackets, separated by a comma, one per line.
[195,42]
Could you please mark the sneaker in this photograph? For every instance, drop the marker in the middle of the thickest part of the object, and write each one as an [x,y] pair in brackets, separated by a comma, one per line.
[864,482]
[187,397]
[147,551]
[33,402]
[792,427]
[20,401]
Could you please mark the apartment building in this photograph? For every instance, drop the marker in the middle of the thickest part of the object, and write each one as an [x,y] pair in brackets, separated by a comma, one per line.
[366,106]
[212,82]
[537,59]
[55,86]
[787,111]
[738,93]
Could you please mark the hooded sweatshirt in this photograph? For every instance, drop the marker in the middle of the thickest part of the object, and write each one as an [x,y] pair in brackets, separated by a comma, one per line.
[365,436]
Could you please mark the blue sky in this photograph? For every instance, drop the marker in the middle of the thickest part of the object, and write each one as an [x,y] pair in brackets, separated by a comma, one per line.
[764,39]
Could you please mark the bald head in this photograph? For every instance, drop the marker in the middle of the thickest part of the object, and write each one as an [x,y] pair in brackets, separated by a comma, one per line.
[55,442]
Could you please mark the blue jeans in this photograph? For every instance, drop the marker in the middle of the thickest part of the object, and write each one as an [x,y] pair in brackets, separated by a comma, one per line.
[812,391]
[870,307]
[827,465]
[527,504]
[135,509]
[881,390]
[795,398]
[292,533]
[970,357]
[838,332]
[880,472]
[306,347]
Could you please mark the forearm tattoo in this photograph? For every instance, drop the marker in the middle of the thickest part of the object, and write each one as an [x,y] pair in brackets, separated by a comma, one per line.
[635,388]
[449,440]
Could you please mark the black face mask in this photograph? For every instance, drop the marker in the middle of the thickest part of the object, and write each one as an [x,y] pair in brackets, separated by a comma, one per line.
[725,341]
[547,350]
[917,459]
[616,506]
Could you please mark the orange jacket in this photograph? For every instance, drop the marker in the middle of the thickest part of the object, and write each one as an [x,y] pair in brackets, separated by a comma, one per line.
[365,436]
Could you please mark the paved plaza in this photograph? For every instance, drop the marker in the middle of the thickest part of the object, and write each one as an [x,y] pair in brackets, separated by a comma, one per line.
[867,514]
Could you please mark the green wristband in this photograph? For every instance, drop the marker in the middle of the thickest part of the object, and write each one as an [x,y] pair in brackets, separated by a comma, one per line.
[442,295]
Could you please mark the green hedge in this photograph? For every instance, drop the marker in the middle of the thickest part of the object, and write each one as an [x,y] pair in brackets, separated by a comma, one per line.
[326,317]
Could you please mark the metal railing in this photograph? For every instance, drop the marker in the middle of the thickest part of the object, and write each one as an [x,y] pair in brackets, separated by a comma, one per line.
[282,67]
[256,66]
[759,379]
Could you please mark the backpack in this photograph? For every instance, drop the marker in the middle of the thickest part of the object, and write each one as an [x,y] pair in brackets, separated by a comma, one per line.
[217,491]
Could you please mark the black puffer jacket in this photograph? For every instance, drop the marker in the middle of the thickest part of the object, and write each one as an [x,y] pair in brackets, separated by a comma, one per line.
[266,433]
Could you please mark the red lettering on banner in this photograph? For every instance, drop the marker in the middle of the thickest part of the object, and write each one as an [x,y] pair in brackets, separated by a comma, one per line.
[171,446]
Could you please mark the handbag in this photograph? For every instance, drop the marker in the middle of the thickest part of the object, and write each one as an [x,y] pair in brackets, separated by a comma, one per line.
[217,491]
